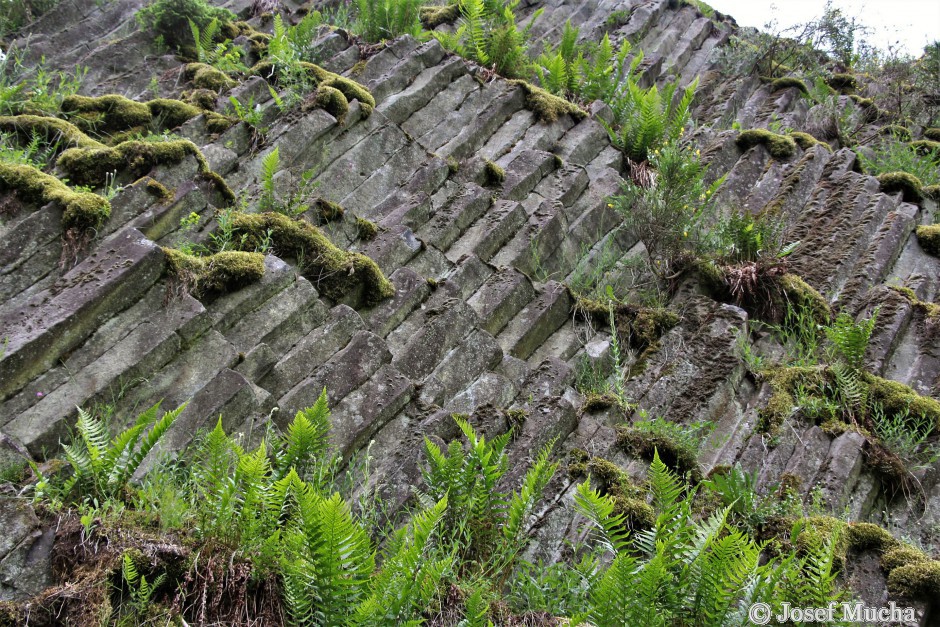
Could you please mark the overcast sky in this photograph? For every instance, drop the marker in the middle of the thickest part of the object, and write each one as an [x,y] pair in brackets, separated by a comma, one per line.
[909,24]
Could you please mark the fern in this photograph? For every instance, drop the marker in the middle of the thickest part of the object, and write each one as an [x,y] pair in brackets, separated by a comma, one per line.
[270,164]
[410,576]
[850,339]
[102,469]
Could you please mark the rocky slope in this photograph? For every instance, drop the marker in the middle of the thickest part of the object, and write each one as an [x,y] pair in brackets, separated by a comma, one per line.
[481,321]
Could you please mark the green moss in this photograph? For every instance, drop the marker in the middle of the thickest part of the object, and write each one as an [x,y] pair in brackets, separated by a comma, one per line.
[673,453]
[783,383]
[105,114]
[843,83]
[207,77]
[908,184]
[864,536]
[779,146]
[327,210]
[350,89]
[640,327]
[434,16]
[865,103]
[919,581]
[158,189]
[367,229]
[902,133]
[82,210]
[50,129]
[925,147]
[335,272]
[577,462]
[902,555]
[358,67]
[90,166]
[202,98]
[546,106]
[222,272]
[928,236]
[493,173]
[931,191]
[786,82]
[897,398]
[629,501]
[217,123]
[598,402]
[453,166]
[807,141]
[172,113]
[330,100]
[933,134]
[798,292]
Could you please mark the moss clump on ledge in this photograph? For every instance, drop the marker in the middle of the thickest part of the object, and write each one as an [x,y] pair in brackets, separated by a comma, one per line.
[349,88]
[434,16]
[931,191]
[895,398]
[920,581]
[931,309]
[546,106]
[327,210]
[898,398]
[928,236]
[807,141]
[207,77]
[493,174]
[50,129]
[676,454]
[908,184]
[902,133]
[843,83]
[222,272]
[367,230]
[90,166]
[779,146]
[610,480]
[330,100]
[172,113]
[786,82]
[639,327]
[933,134]
[83,210]
[798,292]
[105,114]
[925,147]
[335,272]
[783,383]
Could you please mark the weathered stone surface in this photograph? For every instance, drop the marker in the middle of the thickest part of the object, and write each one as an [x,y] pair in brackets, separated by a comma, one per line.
[61,317]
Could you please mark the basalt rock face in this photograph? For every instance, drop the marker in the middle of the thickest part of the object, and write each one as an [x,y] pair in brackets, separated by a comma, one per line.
[481,321]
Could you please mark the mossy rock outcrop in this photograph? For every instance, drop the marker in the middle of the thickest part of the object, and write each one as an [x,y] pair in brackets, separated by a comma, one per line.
[218,273]
[928,237]
[779,146]
[83,210]
[335,272]
[908,184]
